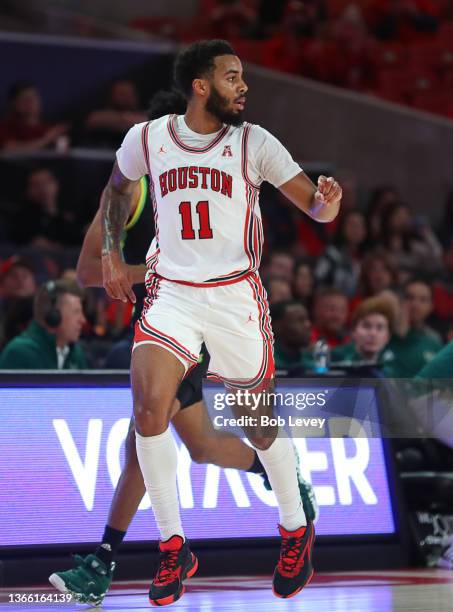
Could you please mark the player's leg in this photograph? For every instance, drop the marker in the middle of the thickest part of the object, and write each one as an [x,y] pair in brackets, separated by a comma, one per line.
[247,363]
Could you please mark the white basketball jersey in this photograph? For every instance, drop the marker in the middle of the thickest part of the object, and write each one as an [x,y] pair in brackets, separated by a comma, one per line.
[208,221]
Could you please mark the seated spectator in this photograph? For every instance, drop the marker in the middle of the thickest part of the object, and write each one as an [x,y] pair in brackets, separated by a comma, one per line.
[281,265]
[378,273]
[340,263]
[278,290]
[17,288]
[106,127]
[292,331]
[330,316]
[119,356]
[51,340]
[410,241]
[419,299]
[23,128]
[372,326]
[41,219]
[304,283]
[381,198]
[412,346]
[17,279]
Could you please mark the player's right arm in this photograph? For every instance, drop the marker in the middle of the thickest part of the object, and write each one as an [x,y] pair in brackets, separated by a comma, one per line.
[89,264]
[116,201]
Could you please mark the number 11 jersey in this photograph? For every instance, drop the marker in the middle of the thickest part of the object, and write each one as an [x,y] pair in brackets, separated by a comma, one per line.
[205,191]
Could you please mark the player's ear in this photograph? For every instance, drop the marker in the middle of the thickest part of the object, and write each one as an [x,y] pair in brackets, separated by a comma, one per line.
[200,87]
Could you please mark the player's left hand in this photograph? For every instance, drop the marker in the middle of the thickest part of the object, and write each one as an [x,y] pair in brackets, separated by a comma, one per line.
[329,191]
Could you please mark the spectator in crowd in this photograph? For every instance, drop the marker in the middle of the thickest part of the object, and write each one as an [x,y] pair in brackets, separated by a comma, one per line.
[17,288]
[281,265]
[51,340]
[381,198]
[340,264]
[378,273]
[412,346]
[330,316]
[106,127]
[304,283]
[278,290]
[410,240]
[372,326]
[292,332]
[23,129]
[41,219]
[17,279]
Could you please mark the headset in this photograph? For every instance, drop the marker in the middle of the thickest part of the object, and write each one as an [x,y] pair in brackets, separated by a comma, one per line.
[52,316]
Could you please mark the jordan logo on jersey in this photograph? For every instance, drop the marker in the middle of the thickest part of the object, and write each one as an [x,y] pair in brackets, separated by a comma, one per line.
[227,151]
[195,177]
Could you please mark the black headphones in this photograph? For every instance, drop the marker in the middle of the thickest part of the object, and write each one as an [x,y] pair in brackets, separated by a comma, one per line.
[52,316]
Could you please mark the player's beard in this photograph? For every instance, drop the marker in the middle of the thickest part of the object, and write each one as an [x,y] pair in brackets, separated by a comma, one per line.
[217,105]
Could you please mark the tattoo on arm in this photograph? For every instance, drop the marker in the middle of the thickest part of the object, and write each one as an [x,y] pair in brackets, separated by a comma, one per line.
[115,208]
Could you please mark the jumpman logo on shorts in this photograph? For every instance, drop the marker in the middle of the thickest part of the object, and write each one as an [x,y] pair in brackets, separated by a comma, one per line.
[250,319]
[162,149]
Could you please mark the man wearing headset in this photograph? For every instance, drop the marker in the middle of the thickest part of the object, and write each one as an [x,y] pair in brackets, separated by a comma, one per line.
[50,342]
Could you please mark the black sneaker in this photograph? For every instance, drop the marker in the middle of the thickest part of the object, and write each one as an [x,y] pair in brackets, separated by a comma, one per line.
[176,563]
[294,569]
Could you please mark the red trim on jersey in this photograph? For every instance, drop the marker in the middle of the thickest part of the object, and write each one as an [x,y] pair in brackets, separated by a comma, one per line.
[245,138]
[174,136]
[152,265]
[144,332]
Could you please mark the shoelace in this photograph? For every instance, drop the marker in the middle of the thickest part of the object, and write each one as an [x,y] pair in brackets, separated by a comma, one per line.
[448,554]
[167,567]
[290,555]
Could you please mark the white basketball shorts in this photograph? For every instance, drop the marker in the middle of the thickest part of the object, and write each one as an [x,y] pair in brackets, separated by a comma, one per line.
[232,320]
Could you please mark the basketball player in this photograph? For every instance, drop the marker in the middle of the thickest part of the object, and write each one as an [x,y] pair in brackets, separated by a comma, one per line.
[205,169]
[92,576]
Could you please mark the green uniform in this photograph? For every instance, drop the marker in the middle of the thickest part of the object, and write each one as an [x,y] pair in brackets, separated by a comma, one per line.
[347,354]
[35,349]
[441,366]
[286,361]
[412,352]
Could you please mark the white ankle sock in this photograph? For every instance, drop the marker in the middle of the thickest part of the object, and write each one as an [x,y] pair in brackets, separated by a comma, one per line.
[158,459]
[280,465]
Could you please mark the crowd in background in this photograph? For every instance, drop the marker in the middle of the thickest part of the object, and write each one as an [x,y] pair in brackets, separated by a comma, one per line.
[329,270]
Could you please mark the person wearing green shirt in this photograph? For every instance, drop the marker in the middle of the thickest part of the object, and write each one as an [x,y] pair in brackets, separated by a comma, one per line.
[414,344]
[372,324]
[292,331]
[50,342]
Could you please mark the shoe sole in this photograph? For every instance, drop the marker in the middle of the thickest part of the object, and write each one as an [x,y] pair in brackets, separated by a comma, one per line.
[298,590]
[60,585]
[166,601]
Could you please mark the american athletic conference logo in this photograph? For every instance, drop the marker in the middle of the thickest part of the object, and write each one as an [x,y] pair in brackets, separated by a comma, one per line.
[227,151]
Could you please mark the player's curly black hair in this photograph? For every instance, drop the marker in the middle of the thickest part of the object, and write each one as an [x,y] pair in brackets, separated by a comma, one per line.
[167,103]
[196,61]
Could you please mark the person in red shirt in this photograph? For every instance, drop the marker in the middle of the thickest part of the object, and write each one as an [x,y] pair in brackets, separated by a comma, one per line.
[23,128]
[330,316]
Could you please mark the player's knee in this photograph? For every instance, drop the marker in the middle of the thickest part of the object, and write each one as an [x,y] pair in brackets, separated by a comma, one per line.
[152,415]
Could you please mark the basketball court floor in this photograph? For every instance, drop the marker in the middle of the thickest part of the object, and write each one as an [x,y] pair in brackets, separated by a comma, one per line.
[383,591]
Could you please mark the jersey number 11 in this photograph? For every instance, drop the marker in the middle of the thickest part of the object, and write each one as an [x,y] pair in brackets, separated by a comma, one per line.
[202,208]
